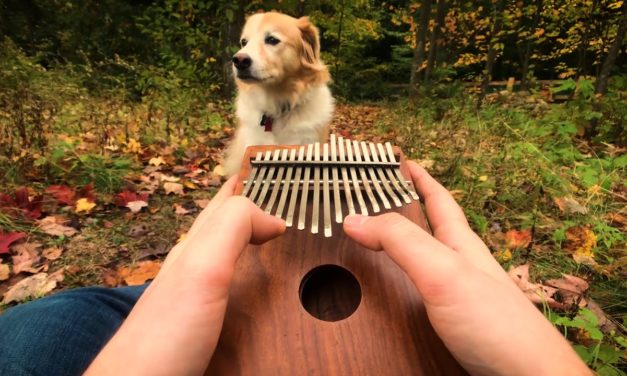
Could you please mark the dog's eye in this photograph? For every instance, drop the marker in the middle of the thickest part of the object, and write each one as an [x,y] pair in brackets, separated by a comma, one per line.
[243,42]
[272,40]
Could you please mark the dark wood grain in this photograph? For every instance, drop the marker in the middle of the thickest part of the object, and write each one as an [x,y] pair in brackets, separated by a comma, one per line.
[267,331]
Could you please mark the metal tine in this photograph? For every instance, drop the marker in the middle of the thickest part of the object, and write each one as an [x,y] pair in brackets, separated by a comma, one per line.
[316,192]
[305,192]
[360,197]
[336,184]
[290,210]
[286,185]
[391,176]
[326,197]
[260,176]
[384,180]
[277,182]
[373,175]
[347,187]
[252,176]
[399,176]
[267,180]
[364,178]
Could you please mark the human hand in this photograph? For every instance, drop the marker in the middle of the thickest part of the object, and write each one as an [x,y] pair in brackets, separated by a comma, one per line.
[174,327]
[482,317]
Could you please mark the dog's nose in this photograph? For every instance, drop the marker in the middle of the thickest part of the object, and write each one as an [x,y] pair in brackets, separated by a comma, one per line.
[242,61]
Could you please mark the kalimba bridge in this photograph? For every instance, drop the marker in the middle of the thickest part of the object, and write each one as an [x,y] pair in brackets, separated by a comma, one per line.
[361,177]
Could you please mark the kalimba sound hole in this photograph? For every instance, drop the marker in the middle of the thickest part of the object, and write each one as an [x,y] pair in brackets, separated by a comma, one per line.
[330,293]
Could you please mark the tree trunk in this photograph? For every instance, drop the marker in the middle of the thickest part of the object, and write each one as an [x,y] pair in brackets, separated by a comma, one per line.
[524,79]
[434,39]
[610,59]
[489,64]
[421,37]
[230,37]
[336,68]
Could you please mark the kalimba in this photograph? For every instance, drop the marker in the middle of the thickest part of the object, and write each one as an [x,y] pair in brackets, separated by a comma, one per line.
[314,302]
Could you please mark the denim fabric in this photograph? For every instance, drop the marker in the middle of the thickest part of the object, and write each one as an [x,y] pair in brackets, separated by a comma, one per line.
[61,334]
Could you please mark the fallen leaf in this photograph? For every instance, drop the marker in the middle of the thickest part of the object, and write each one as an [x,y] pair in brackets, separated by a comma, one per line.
[180,210]
[8,238]
[580,241]
[83,205]
[133,146]
[617,220]
[5,271]
[535,292]
[202,203]
[427,164]
[138,230]
[62,193]
[21,204]
[219,170]
[136,206]
[111,278]
[190,185]
[26,254]
[175,188]
[483,178]
[517,239]
[52,253]
[606,325]
[569,205]
[32,287]
[54,225]
[571,289]
[168,178]
[140,273]
[503,256]
[156,161]
[126,196]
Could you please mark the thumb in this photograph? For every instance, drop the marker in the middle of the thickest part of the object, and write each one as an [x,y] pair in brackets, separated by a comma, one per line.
[428,263]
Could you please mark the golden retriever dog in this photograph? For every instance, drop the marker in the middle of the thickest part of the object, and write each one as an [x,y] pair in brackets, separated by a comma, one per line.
[283,97]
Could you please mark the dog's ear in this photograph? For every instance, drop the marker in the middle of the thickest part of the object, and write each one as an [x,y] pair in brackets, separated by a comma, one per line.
[311,41]
[310,53]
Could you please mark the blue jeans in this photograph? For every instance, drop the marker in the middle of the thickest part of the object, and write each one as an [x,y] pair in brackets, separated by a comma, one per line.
[61,334]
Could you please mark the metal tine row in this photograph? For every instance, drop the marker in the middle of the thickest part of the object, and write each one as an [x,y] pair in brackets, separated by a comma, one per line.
[284,181]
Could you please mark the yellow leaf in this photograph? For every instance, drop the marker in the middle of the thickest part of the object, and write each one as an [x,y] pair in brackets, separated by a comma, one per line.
[190,185]
[133,146]
[581,241]
[483,177]
[156,161]
[181,238]
[503,256]
[84,205]
[219,170]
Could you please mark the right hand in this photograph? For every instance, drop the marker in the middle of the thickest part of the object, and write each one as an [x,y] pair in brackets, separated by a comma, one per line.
[482,317]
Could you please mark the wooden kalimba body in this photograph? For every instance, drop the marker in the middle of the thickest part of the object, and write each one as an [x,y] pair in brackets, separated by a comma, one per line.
[314,302]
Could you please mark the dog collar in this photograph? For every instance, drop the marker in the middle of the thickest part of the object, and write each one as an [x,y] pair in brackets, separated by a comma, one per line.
[266,122]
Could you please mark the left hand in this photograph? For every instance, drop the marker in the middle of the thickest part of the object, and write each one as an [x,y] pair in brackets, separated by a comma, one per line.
[174,327]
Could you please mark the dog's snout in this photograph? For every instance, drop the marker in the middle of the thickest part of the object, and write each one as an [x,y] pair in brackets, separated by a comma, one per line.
[242,61]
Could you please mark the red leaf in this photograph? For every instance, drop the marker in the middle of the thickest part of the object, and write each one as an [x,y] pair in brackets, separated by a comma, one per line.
[62,193]
[87,192]
[21,204]
[126,196]
[6,239]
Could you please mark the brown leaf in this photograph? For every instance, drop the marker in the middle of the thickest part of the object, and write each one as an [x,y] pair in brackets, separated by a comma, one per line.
[571,289]
[180,210]
[606,325]
[175,188]
[569,205]
[517,239]
[55,226]
[52,253]
[202,203]
[111,278]
[5,271]
[535,292]
[32,287]
[580,241]
[26,255]
[140,273]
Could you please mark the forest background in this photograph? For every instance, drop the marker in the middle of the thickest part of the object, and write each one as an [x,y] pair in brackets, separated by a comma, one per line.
[114,115]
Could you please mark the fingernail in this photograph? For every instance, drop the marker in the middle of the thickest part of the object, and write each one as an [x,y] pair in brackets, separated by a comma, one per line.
[355,220]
